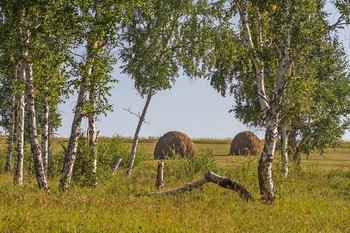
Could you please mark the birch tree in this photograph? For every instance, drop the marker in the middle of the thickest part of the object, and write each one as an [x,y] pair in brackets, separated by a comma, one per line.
[7,112]
[152,52]
[10,48]
[98,35]
[30,34]
[135,142]
[19,157]
[255,50]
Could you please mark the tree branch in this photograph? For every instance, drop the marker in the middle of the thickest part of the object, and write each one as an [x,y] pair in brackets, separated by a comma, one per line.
[338,23]
[136,114]
[213,178]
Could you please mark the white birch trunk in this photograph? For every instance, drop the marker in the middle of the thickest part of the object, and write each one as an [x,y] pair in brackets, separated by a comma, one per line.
[267,190]
[45,136]
[35,146]
[11,135]
[265,163]
[69,159]
[92,136]
[49,140]
[268,107]
[19,157]
[137,132]
[284,149]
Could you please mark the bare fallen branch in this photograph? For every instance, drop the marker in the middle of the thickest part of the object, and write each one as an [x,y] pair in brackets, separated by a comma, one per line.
[229,184]
[213,178]
[116,164]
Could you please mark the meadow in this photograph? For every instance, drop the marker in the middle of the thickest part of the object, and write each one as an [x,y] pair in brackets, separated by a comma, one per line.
[314,198]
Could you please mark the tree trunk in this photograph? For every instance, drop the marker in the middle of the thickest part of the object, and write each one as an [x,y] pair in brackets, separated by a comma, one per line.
[92,136]
[299,148]
[45,136]
[137,132]
[35,146]
[297,153]
[19,157]
[49,141]
[213,178]
[11,136]
[267,190]
[284,149]
[69,159]
[268,107]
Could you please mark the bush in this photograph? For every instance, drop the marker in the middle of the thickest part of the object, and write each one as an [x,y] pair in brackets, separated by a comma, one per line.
[177,167]
[108,150]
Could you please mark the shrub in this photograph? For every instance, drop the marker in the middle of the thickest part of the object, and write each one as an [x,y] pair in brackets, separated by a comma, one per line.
[178,167]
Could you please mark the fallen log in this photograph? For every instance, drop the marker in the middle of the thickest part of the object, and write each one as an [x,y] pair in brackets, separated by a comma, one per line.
[213,178]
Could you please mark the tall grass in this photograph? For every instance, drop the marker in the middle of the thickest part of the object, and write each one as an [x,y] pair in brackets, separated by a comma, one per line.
[312,199]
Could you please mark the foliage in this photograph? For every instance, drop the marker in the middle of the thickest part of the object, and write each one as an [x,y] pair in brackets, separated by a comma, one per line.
[156,42]
[317,65]
[177,167]
[107,152]
[324,120]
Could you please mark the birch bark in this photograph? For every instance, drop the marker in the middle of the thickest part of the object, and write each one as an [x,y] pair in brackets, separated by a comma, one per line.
[19,157]
[92,135]
[137,133]
[35,146]
[269,107]
[69,159]
[45,136]
[79,113]
[284,149]
[267,190]
[265,163]
[11,135]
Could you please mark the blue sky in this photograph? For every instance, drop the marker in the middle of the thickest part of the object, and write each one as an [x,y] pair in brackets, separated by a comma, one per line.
[191,106]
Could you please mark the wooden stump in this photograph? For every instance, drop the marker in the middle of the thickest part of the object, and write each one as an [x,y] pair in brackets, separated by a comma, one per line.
[160,175]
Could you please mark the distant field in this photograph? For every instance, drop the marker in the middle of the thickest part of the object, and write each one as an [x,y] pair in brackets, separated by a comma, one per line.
[315,197]
[338,158]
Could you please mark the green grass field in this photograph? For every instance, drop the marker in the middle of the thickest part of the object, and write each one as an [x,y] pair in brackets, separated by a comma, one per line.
[314,198]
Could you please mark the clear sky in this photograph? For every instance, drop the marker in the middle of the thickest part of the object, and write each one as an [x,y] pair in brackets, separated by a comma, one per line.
[191,106]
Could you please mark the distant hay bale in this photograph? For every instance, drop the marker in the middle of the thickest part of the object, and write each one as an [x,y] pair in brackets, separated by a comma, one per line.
[245,143]
[174,142]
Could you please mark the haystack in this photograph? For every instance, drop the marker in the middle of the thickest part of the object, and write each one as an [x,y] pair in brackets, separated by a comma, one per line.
[245,143]
[174,142]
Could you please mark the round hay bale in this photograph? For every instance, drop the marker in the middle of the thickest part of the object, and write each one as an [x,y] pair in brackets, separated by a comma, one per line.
[245,143]
[174,142]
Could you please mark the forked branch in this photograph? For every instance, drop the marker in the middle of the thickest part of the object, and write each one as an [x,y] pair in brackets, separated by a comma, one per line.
[213,178]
